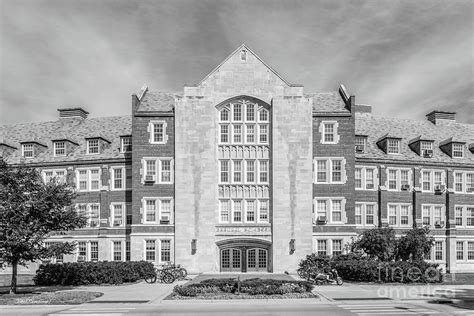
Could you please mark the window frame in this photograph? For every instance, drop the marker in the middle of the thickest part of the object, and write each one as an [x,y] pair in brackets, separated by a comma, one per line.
[432,179]
[89,179]
[459,150]
[364,142]
[23,150]
[364,214]
[398,178]
[465,219]
[158,210]
[88,142]
[112,178]
[112,214]
[55,148]
[324,133]
[464,184]
[398,214]
[398,141]
[329,170]
[88,213]
[432,214]
[329,210]
[122,250]
[123,146]
[54,171]
[158,169]
[364,177]
[151,131]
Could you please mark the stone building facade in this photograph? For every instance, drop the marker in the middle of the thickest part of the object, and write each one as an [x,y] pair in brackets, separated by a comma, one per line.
[247,172]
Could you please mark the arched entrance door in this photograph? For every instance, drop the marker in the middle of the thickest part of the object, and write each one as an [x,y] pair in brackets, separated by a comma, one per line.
[244,255]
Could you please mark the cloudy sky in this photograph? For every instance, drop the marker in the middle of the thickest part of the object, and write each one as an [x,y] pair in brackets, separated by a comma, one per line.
[404,58]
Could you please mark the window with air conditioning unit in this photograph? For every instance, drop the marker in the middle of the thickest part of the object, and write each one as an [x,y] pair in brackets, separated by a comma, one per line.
[405,187]
[359,148]
[427,153]
[439,224]
[439,188]
[321,220]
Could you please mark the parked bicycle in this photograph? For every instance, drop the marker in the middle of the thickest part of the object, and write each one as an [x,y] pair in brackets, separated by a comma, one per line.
[176,270]
[161,275]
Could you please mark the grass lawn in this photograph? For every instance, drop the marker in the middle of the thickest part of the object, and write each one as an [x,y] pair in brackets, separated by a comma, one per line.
[242,296]
[46,295]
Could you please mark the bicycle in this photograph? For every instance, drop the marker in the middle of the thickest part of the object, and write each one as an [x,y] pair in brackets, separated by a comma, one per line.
[161,275]
[177,270]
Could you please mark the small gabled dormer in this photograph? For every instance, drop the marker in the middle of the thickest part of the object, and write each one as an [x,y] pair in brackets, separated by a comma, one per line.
[96,145]
[63,147]
[6,149]
[471,147]
[126,144]
[31,149]
[423,146]
[390,144]
[453,147]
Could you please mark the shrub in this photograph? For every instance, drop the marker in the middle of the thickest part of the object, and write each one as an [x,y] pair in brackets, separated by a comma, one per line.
[312,265]
[379,243]
[84,273]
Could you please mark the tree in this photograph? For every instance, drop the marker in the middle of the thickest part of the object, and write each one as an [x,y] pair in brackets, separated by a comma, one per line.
[31,210]
[415,244]
[378,243]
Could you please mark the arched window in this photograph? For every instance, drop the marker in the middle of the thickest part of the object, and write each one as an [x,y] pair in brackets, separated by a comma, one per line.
[224,115]
[263,115]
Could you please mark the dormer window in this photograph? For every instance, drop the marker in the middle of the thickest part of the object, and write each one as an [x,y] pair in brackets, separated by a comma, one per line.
[28,150]
[126,144]
[59,148]
[360,143]
[458,150]
[393,146]
[92,146]
[426,145]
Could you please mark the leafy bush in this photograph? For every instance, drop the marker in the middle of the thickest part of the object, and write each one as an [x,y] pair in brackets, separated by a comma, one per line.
[312,265]
[378,243]
[249,286]
[415,244]
[84,273]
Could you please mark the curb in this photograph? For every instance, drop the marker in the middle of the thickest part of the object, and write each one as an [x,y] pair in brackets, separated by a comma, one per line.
[245,301]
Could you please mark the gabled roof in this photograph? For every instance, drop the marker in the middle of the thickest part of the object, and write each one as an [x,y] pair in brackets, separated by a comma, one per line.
[328,102]
[247,49]
[376,127]
[46,132]
[155,101]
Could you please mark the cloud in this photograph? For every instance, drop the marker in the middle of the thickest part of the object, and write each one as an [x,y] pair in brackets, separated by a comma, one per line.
[403,57]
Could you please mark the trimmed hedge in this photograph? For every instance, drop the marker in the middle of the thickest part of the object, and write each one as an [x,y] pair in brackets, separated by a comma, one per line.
[355,267]
[84,273]
[250,286]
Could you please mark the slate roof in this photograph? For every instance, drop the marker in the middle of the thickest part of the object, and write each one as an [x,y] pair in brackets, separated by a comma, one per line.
[110,128]
[328,102]
[157,101]
[375,127]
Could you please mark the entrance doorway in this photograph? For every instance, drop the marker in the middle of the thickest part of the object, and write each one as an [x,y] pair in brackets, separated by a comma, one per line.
[245,255]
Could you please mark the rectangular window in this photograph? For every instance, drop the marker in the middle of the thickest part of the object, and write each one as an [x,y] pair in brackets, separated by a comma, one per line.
[360,143]
[224,133]
[94,251]
[458,150]
[118,214]
[250,217]
[81,251]
[58,175]
[426,215]
[458,215]
[392,179]
[250,171]
[458,181]
[127,251]
[336,175]
[150,250]
[224,171]
[117,251]
[470,182]
[393,146]
[263,171]
[224,211]
[438,250]
[250,112]
[392,215]
[237,170]
[263,115]
[94,215]
[321,209]
[237,112]
[237,211]
[150,167]
[150,211]
[438,178]
[459,250]
[358,178]
[237,132]
[263,210]
[158,132]
[321,171]
[59,148]
[369,178]
[469,216]
[118,178]
[263,133]
[328,132]
[438,210]
[426,146]
[126,145]
[370,214]
[95,179]
[224,115]
[404,214]
[322,248]
[165,250]
[404,177]
[336,210]
[358,214]
[470,250]
[28,150]
[250,134]
[92,146]
[165,171]
[426,180]
[336,247]
[165,211]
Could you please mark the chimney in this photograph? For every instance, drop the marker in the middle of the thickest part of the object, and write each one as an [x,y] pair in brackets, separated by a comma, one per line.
[436,116]
[79,113]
